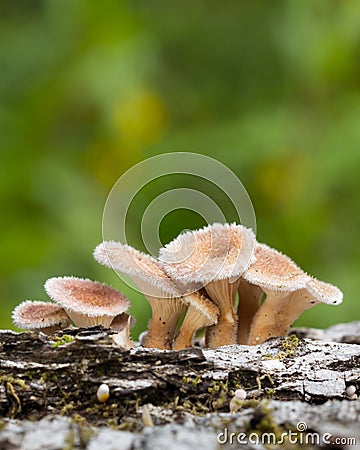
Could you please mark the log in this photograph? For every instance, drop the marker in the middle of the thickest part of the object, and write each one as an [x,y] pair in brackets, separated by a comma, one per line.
[297,388]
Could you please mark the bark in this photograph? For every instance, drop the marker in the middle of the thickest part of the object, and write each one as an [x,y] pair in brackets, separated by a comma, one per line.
[48,387]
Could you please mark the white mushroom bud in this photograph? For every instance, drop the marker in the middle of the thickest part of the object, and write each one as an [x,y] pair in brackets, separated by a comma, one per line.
[350,392]
[240,394]
[103,393]
[237,401]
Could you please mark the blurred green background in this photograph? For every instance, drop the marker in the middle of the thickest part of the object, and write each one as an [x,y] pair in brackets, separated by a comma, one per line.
[88,89]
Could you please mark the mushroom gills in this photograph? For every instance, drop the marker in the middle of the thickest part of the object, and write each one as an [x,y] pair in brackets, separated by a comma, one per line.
[277,313]
[201,313]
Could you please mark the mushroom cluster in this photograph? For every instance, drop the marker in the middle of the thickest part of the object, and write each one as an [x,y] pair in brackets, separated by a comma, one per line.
[80,301]
[218,278]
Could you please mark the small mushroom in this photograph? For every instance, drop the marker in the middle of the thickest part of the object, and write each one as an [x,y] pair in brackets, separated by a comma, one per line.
[289,291]
[237,401]
[201,313]
[103,393]
[123,324]
[214,257]
[350,392]
[161,293]
[40,316]
[121,321]
[87,303]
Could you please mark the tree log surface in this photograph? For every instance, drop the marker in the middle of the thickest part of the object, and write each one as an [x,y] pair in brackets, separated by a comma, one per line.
[48,387]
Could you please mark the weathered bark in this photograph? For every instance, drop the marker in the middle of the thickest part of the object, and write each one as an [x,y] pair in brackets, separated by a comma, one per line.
[187,393]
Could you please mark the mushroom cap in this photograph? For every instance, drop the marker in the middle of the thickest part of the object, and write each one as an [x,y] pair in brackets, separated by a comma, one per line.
[145,270]
[275,271]
[324,292]
[215,252]
[240,394]
[121,321]
[204,305]
[32,315]
[86,297]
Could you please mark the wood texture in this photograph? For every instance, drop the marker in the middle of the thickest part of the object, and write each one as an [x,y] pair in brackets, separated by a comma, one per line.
[53,381]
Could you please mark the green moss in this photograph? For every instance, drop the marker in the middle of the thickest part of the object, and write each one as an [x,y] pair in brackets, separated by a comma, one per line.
[289,345]
[12,380]
[263,421]
[85,434]
[192,381]
[9,383]
[69,441]
[64,339]
[66,408]
[269,393]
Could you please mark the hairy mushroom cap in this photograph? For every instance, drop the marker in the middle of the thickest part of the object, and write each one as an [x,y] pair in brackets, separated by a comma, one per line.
[160,291]
[213,257]
[201,313]
[324,292]
[143,269]
[286,289]
[273,270]
[215,252]
[87,302]
[42,316]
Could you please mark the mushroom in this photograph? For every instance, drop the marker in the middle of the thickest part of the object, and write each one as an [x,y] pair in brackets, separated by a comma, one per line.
[40,316]
[162,294]
[237,401]
[87,303]
[289,291]
[123,324]
[121,321]
[214,257]
[103,393]
[201,313]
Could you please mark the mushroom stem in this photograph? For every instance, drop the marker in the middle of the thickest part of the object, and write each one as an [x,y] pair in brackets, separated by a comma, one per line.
[278,311]
[166,313]
[187,329]
[223,293]
[223,333]
[249,302]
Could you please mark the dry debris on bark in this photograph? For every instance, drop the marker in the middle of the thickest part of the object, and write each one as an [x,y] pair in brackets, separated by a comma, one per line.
[48,391]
